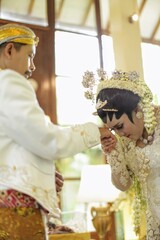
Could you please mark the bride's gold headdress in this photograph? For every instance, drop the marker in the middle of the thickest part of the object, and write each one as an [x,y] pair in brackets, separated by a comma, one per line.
[17,33]
[121,80]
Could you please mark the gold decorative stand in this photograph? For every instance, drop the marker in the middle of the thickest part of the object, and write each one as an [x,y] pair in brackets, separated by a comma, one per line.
[101,220]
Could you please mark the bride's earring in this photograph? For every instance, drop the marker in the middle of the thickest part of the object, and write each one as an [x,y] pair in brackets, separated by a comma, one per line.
[139,115]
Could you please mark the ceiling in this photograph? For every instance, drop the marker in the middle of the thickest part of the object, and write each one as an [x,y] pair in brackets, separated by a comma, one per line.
[80,15]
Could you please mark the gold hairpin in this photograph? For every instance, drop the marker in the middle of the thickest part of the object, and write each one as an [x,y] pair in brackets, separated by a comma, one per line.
[100,104]
[110,110]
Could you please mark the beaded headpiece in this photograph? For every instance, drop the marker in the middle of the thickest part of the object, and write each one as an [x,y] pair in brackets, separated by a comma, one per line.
[17,33]
[121,80]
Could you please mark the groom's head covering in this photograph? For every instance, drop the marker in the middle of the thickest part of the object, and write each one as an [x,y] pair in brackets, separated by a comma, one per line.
[17,33]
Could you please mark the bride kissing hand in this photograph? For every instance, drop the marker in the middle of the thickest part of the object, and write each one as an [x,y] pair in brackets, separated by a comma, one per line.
[108,140]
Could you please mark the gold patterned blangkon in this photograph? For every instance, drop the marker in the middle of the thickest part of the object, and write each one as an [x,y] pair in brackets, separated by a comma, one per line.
[21,223]
[4,235]
[17,33]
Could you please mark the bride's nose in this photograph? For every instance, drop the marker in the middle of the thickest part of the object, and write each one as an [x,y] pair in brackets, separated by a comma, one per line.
[120,133]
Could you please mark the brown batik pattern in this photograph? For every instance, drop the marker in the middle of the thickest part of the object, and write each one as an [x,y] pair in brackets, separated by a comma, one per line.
[21,223]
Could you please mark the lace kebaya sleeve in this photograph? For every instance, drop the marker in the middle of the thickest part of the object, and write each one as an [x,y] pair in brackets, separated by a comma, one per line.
[121,175]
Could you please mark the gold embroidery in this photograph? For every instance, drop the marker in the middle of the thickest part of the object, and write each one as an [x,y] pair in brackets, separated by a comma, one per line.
[21,224]
[4,235]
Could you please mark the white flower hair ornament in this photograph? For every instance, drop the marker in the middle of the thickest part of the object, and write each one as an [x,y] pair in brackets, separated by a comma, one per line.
[121,80]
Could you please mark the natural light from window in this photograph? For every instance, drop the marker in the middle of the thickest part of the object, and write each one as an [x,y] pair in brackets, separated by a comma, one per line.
[75,54]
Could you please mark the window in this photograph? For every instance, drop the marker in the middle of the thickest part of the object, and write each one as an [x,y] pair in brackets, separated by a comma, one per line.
[151,60]
[32,12]
[75,54]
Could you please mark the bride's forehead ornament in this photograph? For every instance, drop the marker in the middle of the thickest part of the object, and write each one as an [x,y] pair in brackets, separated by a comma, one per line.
[130,81]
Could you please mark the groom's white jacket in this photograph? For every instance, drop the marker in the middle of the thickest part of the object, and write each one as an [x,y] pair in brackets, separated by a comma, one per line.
[29,143]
